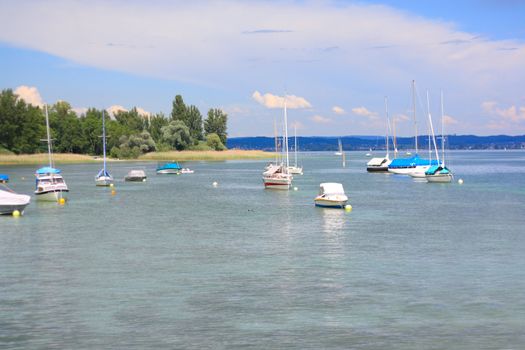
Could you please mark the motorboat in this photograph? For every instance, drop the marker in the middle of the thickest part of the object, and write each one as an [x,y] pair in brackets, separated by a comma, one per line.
[11,201]
[186,171]
[277,178]
[136,176]
[50,185]
[378,165]
[405,166]
[103,177]
[4,178]
[296,170]
[169,168]
[331,195]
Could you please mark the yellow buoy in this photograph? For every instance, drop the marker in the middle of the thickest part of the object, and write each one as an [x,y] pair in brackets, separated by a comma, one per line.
[113,192]
[62,201]
[348,207]
[460,181]
[16,213]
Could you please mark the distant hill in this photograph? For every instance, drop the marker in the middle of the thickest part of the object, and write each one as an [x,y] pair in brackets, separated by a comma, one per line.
[354,143]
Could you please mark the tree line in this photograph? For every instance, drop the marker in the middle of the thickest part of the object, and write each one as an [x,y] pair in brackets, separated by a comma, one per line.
[129,134]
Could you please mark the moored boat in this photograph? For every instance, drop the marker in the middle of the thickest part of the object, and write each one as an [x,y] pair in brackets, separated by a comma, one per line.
[331,195]
[50,185]
[103,177]
[11,201]
[277,178]
[4,178]
[169,168]
[136,176]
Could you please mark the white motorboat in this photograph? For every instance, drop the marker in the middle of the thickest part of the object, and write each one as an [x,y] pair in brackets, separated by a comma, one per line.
[11,201]
[277,178]
[103,177]
[169,168]
[136,176]
[331,195]
[50,185]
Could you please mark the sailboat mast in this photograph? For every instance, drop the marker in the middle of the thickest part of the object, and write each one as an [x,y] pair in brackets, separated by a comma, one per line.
[442,131]
[48,140]
[387,127]
[414,107]
[286,135]
[295,143]
[432,128]
[104,139]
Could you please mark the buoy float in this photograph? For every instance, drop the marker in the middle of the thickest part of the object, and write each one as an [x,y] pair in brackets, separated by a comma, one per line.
[113,192]
[16,213]
[62,201]
[215,184]
[348,207]
[23,178]
[460,181]
[295,188]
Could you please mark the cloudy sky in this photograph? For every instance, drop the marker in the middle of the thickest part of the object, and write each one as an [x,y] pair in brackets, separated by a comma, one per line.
[334,60]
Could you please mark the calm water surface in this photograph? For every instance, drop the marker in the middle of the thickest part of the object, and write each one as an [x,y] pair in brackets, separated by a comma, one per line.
[176,263]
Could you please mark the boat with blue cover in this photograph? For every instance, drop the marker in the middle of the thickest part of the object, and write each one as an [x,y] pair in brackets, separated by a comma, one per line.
[169,168]
[4,178]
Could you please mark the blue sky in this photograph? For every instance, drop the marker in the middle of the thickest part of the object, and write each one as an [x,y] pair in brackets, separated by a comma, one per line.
[335,60]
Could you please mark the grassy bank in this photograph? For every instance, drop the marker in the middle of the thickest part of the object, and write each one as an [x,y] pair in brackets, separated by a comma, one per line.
[206,155]
[41,158]
[67,158]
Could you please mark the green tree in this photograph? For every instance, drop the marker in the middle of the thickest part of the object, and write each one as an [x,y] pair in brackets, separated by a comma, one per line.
[21,124]
[91,124]
[134,145]
[194,123]
[66,129]
[177,135]
[132,120]
[179,108]
[216,123]
[157,122]
[214,142]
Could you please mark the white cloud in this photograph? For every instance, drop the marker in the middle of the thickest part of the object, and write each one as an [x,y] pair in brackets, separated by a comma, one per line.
[30,95]
[338,110]
[274,101]
[364,112]
[320,119]
[79,110]
[297,125]
[143,112]
[113,110]
[400,118]
[510,114]
[448,120]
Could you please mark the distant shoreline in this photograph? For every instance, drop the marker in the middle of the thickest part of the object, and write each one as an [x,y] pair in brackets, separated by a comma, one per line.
[70,158]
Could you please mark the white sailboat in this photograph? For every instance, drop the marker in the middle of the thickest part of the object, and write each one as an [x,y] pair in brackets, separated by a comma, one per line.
[50,185]
[381,164]
[103,177]
[277,176]
[340,148]
[295,169]
[440,173]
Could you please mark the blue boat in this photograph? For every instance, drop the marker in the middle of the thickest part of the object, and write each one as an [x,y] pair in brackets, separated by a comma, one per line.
[169,168]
[407,165]
[4,178]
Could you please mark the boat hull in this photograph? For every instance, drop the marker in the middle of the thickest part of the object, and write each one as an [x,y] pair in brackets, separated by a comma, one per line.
[103,181]
[377,169]
[135,179]
[8,209]
[168,171]
[52,195]
[439,178]
[277,184]
[326,203]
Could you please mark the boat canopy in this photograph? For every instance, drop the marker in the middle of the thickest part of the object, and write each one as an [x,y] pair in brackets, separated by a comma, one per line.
[411,162]
[103,173]
[377,161]
[4,178]
[136,173]
[47,170]
[331,188]
[437,168]
[173,165]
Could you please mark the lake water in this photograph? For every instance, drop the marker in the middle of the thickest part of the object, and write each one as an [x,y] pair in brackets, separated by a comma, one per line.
[176,263]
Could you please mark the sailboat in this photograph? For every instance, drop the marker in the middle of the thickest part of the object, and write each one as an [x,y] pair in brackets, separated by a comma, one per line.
[277,176]
[50,185]
[440,173]
[103,177]
[340,148]
[295,169]
[405,166]
[381,164]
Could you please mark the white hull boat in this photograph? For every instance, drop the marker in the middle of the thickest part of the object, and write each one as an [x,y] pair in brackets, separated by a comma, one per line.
[104,180]
[440,178]
[169,171]
[50,185]
[103,177]
[331,195]
[296,170]
[136,176]
[51,195]
[11,201]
